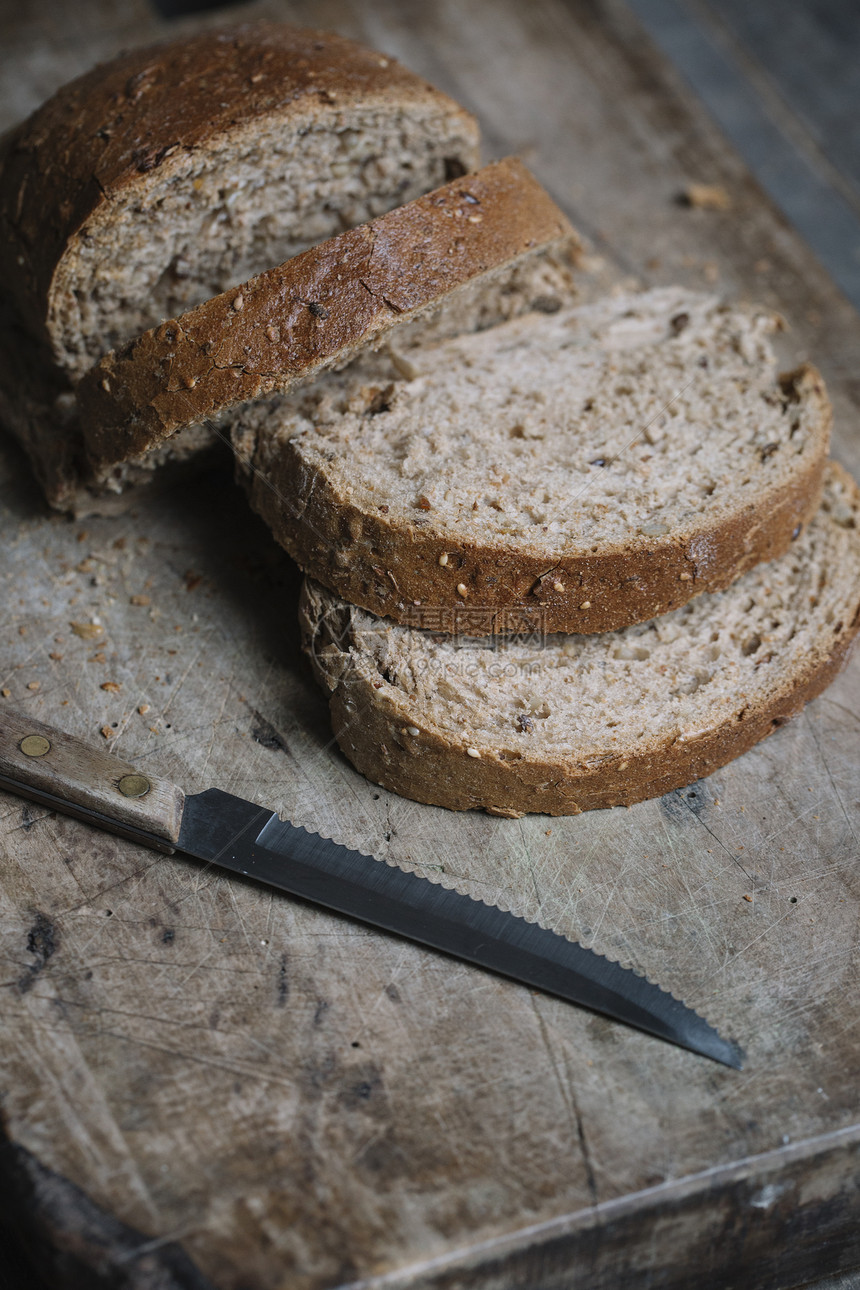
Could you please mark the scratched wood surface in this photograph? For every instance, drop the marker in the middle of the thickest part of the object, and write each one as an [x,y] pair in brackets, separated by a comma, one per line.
[205,1085]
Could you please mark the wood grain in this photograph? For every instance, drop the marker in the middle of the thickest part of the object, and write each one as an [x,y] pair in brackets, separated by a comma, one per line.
[803,56]
[294,1101]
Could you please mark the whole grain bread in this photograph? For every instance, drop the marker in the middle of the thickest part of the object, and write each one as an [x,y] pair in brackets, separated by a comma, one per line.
[172,173]
[177,171]
[317,310]
[577,471]
[563,724]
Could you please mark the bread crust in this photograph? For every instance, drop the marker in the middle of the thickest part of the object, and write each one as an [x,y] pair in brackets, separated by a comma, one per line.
[440,775]
[101,138]
[315,310]
[390,744]
[396,573]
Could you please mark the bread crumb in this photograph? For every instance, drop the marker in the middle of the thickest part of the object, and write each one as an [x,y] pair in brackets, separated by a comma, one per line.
[87,631]
[139,600]
[746,897]
[106,731]
[4,694]
[55,656]
[143,709]
[110,686]
[707,197]
[34,685]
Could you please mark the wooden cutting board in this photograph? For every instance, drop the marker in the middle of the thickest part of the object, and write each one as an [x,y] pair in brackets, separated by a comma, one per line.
[206,1085]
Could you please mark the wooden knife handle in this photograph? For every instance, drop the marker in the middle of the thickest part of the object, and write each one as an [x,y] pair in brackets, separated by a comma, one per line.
[50,767]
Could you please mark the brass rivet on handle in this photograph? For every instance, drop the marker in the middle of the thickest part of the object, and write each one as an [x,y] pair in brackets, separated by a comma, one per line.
[35,746]
[134,786]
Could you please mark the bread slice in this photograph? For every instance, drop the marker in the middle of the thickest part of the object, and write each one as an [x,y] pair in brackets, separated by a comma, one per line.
[36,404]
[563,724]
[175,172]
[315,311]
[578,471]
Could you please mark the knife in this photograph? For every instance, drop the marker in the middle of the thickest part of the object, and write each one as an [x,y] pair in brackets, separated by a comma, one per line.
[69,776]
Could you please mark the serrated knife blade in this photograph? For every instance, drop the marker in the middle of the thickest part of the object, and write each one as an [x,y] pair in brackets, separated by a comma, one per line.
[230,832]
[220,829]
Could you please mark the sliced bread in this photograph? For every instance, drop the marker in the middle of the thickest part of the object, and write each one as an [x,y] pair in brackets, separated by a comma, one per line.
[174,172]
[49,429]
[581,470]
[317,310]
[563,724]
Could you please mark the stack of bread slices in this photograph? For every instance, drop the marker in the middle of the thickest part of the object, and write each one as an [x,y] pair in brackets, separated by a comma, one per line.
[561,555]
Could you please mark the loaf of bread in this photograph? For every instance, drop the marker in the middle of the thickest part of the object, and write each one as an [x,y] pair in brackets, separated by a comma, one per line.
[316,310]
[173,173]
[578,471]
[567,723]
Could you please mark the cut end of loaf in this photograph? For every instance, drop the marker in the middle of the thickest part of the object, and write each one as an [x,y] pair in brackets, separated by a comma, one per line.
[265,194]
[174,172]
[177,171]
[563,724]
